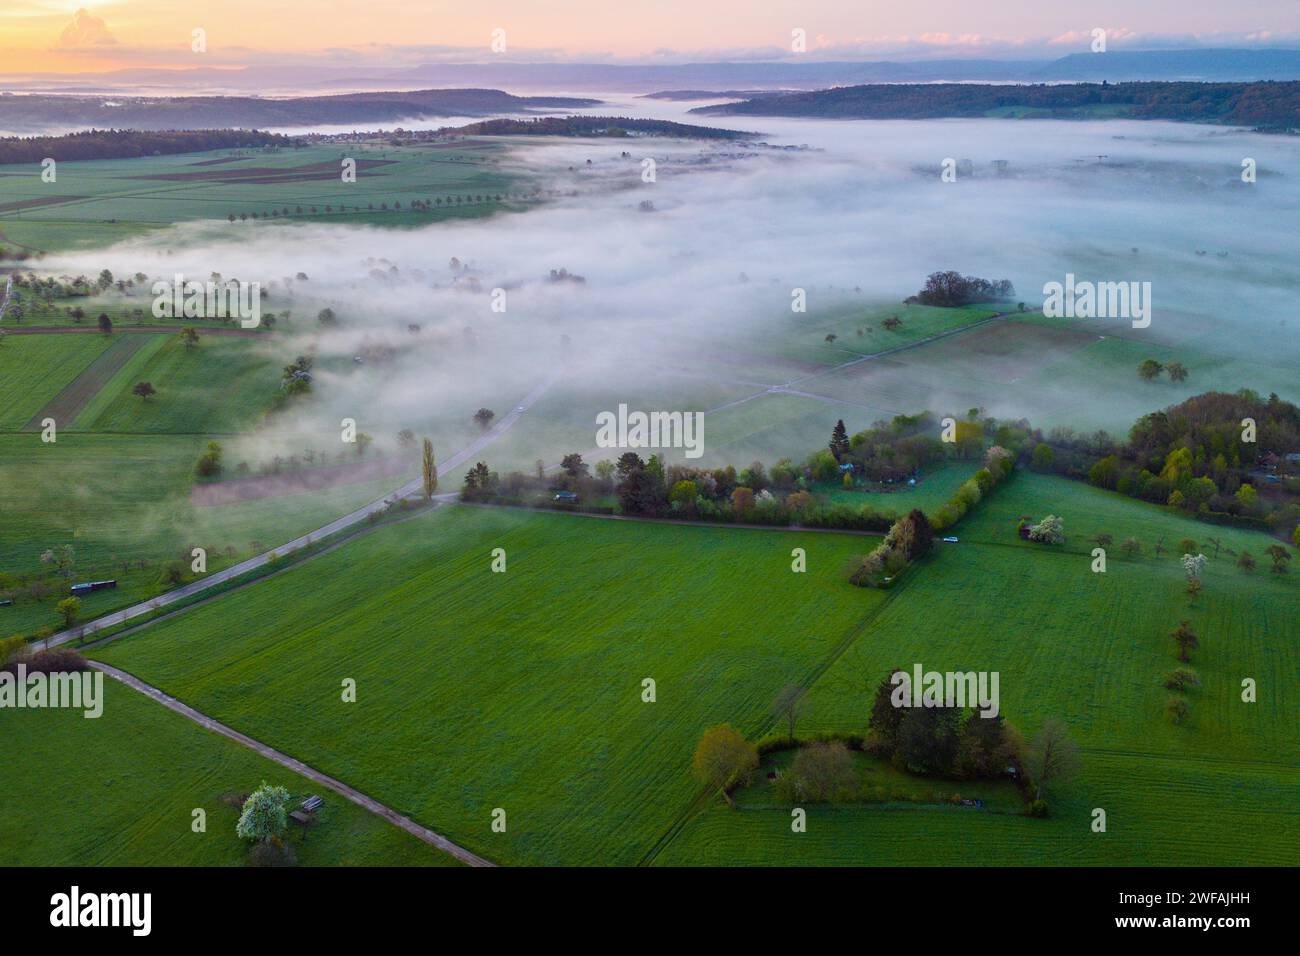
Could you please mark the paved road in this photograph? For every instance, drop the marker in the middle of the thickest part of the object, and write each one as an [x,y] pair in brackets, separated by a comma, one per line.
[297,766]
[4,302]
[407,490]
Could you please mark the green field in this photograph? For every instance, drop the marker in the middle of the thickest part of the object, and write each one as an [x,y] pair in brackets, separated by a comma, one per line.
[221,385]
[519,690]
[120,790]
[105,201]
[36,367]
[118,498]
[1088,648]
[938,483]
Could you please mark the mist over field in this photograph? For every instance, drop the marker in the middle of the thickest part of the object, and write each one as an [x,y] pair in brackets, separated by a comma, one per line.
[857,219]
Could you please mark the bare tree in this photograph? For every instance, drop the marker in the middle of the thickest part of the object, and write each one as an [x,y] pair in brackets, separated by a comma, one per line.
[1053,757]
[788,706]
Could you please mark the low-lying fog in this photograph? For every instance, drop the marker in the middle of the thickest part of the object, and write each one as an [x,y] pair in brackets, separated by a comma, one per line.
[730,231]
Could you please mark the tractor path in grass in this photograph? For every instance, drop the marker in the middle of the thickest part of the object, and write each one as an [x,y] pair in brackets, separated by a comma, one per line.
[73,397]
[297,766]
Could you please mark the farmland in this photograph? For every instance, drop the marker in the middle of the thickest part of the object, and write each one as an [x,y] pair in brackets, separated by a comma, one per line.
[36,368]
[460,666]
[1091,649]
[94,203]
[87,785]
[483,664]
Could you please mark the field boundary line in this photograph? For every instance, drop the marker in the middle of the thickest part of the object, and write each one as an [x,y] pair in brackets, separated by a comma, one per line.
[69,402]
[291,566]
[407,490]
[292,763]
[818,671]
[671,521]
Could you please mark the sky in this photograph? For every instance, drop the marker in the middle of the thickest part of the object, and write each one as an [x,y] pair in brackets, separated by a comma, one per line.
[87,36]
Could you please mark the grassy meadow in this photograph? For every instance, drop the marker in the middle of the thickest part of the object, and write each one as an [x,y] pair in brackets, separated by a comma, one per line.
[120,790]
[520,690]
[106,201]
[1091,649]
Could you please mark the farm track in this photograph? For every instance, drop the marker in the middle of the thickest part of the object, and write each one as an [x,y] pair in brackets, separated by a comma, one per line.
[406,490]
[297,766]
[73,397]
[817,672]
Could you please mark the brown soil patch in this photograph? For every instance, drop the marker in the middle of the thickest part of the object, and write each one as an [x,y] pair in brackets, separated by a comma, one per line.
[33,203]
[72,398]
[295,483]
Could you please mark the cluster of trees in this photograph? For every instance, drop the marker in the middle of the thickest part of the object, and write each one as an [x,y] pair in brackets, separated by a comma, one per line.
[947,742]
[941,741]
[1149,370]
[909,538]
[1206,455]
[209,463]
[950,289]
[998,464]
[130,143]
[783,495]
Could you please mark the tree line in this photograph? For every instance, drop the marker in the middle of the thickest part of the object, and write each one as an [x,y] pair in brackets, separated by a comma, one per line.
[130,143]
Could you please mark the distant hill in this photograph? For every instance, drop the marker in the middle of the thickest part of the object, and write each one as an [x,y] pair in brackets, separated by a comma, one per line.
[1261,105]
[21,113]
[1222,65]
[792,73]
[616,126]
[129,144]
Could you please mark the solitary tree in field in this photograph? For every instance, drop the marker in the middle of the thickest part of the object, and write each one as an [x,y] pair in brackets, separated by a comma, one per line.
[1280,556]
[1104,539]
[68,609]
[1149,370]
[143,389]
[429,469]
[788,705]
[1052,757]
[190,337]
[1185,638]
[105,323]
[1245,561]
[484,417]
[724,758]
[1177,371]
[263,817]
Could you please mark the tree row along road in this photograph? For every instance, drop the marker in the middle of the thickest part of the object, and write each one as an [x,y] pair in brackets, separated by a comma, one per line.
[297,766]
[411,487]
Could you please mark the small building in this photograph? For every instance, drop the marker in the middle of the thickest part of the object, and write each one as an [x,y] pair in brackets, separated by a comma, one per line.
[88,586]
